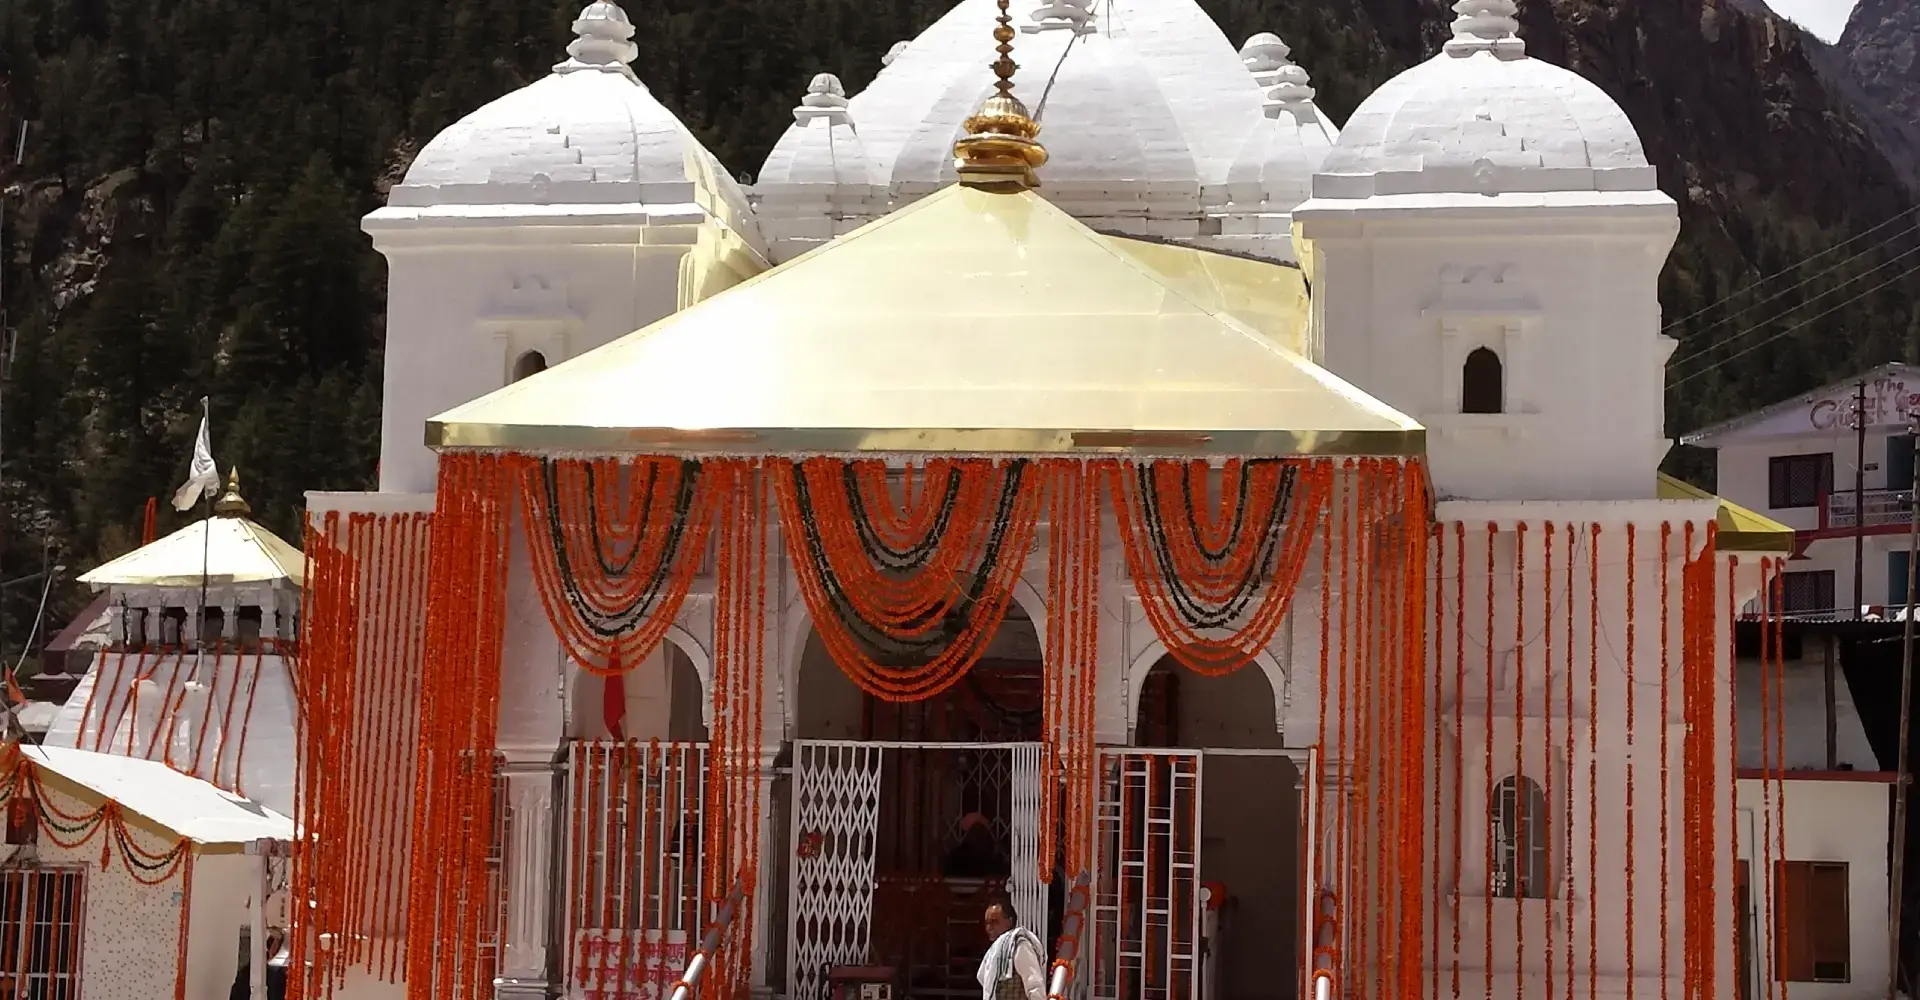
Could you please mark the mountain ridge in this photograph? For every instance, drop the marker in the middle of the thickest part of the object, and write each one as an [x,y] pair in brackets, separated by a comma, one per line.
[186,221]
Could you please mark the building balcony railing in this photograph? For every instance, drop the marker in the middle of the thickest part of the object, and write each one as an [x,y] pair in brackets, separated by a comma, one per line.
[1882,508]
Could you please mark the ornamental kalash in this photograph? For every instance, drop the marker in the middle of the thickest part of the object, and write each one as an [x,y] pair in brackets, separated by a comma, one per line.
[973,551]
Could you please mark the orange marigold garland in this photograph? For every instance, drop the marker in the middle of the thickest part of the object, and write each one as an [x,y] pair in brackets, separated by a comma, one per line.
[355,682]
[1073,632]
[614,547]
[735,758]
[1216,585]
[459,716]
[933,587]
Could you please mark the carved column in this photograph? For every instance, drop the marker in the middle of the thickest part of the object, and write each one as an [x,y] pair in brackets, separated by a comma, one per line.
[529,866]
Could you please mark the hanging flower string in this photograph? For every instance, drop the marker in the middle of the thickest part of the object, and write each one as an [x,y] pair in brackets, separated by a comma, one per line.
[614,549]
[938,595]
[356,724]
[1216,584]
[447,917]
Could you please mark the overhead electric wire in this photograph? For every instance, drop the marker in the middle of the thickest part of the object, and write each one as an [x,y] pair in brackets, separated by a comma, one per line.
[1802,283]
[1915,269]
[1808,260]
[1724,341]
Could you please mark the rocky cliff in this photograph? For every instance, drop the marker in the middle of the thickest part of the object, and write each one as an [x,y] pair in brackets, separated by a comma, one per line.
[1881,49]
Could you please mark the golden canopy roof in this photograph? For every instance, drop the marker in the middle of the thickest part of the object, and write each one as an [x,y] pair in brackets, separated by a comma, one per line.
[972,321]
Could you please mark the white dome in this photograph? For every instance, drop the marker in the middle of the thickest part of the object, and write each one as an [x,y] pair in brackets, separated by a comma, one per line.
[821,147]
[588,134]
[1483,118]
[1107,127]
[1142,93]
[1274,170]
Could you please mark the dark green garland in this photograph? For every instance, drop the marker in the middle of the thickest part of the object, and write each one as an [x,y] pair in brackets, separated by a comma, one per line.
[1193,611]
[930,643]
[612,624]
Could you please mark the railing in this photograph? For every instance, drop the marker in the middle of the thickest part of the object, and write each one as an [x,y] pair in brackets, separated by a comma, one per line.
[1326,953]
[1883,507]
[710,942]
[1067,949]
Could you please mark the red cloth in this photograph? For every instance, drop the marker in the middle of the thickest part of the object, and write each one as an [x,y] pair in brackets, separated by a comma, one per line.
[613,704]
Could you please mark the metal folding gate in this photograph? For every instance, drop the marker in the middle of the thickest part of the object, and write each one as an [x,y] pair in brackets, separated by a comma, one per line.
[1146,907]
[834,833]
[634,899]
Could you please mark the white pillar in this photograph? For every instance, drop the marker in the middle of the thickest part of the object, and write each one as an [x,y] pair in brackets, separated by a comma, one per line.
[763,882]
[270,616]
[230,618]
[529,867]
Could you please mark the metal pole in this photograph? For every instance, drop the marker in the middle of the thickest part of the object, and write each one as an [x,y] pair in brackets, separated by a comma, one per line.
[1860,498]
[1899,858]
[257,956]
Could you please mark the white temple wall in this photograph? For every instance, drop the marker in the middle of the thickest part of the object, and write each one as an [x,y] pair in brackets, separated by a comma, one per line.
[463,306]
[1403,296]
[532,666]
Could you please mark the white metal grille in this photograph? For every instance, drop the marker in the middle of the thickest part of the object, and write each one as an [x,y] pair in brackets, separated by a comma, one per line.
[836,808]
[41,919]
[1029,893]
[634,898]
[1146,916]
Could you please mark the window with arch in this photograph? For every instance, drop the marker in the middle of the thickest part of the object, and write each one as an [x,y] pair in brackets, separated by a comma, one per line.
[529,363]
[1482,383]
[1519,821]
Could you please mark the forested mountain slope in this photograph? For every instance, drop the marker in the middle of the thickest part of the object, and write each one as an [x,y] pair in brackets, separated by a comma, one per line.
[185,222]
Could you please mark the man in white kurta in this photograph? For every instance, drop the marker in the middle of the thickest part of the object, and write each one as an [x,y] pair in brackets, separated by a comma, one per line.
[1013,967]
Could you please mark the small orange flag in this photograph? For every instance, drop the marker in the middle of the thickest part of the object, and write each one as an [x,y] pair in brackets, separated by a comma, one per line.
[14,694]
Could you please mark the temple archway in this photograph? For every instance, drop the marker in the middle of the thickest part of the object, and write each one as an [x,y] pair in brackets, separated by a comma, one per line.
[662,697]
[947,822]
[1250,815]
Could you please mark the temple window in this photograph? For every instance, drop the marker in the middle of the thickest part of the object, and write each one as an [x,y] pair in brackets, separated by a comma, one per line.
[529,363]
[1519,821]
[1482,383]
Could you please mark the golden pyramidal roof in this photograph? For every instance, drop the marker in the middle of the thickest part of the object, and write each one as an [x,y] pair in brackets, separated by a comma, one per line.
[973,321]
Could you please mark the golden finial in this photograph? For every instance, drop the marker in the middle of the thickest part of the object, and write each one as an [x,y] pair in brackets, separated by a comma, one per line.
[999,152]
[231,503]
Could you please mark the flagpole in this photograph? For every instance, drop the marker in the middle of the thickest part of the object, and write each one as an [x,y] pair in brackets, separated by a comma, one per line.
[206,547]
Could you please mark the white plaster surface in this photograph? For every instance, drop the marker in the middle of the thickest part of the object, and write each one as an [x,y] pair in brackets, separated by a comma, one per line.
[236,730]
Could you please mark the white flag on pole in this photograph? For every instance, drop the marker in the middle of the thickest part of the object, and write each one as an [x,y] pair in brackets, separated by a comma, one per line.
[203,478]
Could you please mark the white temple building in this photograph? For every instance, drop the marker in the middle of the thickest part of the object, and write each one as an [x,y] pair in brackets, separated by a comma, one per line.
[1474,258]
[196,674]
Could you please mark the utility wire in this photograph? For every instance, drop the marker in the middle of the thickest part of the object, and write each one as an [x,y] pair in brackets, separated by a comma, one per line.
[1802,283]
[1762,281]
[1741,334]
[1797,326]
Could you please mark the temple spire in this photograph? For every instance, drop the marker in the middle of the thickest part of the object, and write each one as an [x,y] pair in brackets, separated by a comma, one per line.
[603,41]
[999,152]
[231,503]
[1486,26]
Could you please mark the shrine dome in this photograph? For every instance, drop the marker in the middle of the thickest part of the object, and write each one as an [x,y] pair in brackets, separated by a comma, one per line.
[1146,107]
[588,134]
[1484,118]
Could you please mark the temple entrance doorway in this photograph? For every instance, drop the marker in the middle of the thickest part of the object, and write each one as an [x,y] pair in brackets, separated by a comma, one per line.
[1236,835]
[904,819]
